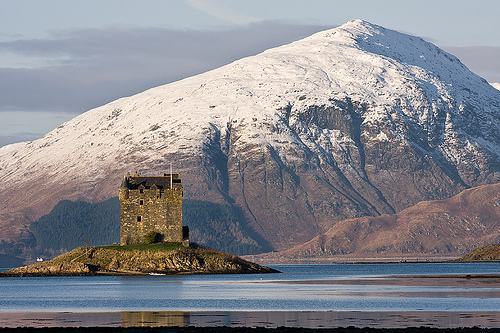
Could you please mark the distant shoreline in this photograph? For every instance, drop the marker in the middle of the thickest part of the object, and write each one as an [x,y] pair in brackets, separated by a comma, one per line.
[273,258]
[347,260]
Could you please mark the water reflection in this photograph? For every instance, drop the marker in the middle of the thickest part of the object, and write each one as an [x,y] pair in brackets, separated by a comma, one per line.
[303,296]
[270,319]
[148,319]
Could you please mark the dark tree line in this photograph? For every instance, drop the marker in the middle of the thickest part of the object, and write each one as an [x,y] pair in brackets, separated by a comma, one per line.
[75,223]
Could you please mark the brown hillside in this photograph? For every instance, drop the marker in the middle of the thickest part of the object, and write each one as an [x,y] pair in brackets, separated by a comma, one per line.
[439,228]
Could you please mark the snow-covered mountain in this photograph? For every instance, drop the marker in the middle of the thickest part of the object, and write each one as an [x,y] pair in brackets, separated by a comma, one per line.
[496,85]
[356,120]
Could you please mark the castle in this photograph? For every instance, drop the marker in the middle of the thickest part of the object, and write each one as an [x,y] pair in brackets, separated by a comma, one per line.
[151,206]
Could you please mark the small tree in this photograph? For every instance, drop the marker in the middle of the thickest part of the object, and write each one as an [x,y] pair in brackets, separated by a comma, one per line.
[153,237]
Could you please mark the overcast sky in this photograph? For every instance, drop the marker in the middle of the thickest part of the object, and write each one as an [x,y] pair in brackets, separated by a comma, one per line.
[59,58]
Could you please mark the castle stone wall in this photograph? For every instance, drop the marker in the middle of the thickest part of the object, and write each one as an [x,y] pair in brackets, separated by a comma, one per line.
[161,211]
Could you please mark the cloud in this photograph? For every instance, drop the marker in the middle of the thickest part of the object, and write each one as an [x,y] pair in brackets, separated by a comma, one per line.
[90,67]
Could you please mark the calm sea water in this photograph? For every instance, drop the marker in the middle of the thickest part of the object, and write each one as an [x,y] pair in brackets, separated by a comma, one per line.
[297,288]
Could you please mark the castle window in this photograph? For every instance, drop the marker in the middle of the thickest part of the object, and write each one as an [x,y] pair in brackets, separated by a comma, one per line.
[141,190]
[141,202]
[139,218]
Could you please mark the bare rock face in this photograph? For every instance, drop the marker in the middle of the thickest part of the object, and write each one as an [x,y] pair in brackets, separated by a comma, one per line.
[349,122]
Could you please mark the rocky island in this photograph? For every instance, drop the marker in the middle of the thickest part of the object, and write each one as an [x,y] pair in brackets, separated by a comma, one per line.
[140,259]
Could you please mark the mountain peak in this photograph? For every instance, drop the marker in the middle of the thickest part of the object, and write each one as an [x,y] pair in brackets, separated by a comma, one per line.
[359,23]
[349,30]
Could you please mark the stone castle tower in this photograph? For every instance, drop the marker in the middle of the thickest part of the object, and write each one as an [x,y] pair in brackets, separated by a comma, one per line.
[151,204]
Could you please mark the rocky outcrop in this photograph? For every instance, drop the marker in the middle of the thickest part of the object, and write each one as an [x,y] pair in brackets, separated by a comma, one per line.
[143,259]
[484,253]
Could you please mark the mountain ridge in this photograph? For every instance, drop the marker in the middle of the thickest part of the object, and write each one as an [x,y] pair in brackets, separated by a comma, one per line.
[353,121]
